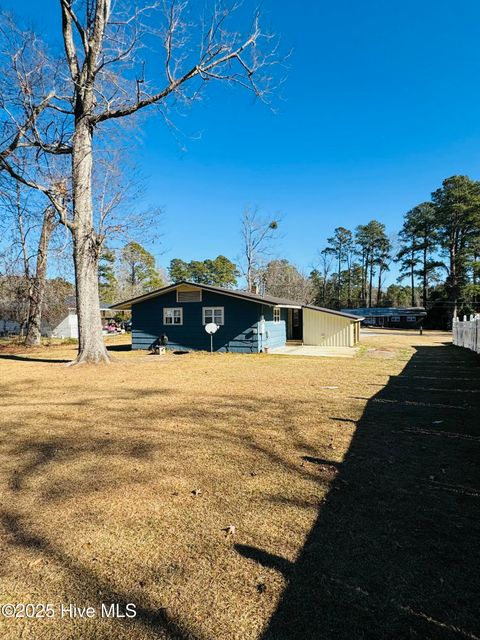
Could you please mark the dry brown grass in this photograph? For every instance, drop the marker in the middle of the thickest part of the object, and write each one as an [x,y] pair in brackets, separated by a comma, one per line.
[98,466]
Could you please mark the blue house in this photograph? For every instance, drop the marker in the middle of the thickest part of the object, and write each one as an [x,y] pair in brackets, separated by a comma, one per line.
[248,322]
[392,317]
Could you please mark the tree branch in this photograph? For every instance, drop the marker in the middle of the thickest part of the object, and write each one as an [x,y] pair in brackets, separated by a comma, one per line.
[49,193]
[68,41]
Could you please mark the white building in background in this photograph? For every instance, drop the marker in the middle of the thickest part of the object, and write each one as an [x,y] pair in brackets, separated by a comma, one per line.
[68,327]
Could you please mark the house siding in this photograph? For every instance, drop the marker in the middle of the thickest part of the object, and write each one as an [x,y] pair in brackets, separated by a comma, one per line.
[327,329]
[238,334]
[68,327]
[275,332]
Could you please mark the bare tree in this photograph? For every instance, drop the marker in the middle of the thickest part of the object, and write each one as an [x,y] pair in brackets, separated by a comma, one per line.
[325,268]
[36,277]
[284,280]
[31,232]
[257,235]
[104,77]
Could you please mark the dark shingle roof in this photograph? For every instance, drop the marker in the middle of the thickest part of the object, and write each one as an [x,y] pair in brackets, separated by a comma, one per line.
[386,311]
[244,295]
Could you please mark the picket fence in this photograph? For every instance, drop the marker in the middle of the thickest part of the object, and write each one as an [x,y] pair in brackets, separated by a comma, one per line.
[466,332]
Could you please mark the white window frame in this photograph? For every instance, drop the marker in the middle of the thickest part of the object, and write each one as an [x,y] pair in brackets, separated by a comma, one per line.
[211,311]
[411,318]
[395,319]
[277,315]
[165,316]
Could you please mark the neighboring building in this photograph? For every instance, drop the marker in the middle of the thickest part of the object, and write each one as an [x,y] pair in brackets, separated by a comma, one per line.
[68,326]
[393,317]
[8,327]
[248,322]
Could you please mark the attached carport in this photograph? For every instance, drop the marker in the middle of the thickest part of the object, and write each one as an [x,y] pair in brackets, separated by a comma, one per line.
[329,328]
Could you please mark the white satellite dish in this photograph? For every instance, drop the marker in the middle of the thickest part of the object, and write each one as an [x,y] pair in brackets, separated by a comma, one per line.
[211,328]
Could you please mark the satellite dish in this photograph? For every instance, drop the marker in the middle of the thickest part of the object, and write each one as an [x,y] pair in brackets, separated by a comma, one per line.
[211,328]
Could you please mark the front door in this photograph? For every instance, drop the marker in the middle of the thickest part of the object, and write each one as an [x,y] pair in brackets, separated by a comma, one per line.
[295,324]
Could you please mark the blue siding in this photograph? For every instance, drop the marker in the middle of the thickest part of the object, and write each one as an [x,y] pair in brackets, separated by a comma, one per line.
[276,332]
[237,334]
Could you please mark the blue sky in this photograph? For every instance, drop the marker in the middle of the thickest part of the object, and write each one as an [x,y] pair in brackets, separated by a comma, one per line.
[380,104]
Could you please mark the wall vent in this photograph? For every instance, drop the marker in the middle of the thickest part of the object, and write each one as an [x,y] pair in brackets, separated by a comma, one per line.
[189,296]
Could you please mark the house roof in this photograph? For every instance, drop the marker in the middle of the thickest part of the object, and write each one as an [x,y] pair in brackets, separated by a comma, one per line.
[71,302]
[387,311]
[266,299]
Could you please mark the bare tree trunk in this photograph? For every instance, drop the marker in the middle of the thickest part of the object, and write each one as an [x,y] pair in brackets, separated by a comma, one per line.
[349,285]
[379,290]
[453,280]
[370,285]
[412,280]
[339,278]
[249,275]
[86,248]
[37,285]
[424,274]
[365,279]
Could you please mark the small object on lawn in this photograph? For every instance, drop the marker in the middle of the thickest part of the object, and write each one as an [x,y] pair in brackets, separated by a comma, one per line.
[253,473]
[437,422]
[328,387]
[230,530]
[197,492]
[261,587]
[159,350]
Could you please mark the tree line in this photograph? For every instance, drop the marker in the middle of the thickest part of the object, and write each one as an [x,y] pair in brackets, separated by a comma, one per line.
[437,252]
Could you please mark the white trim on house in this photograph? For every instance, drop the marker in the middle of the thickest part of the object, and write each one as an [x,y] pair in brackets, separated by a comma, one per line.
[277,314]
[212,311]
[169,313]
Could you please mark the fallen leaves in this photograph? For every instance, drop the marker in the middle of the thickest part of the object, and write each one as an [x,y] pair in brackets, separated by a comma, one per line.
[229,530]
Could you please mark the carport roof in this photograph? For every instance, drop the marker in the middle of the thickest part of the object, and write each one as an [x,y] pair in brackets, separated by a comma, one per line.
[266,299]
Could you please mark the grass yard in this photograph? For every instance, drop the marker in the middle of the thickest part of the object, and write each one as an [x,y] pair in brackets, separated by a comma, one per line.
[353,487]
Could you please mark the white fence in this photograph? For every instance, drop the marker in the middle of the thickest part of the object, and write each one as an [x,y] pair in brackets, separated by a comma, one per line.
[466,333]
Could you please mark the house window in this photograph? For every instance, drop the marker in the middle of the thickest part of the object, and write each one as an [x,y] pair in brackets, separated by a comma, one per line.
[394,318]
[192,295]
[277,314]
[411,318]
[173,316]
[213,314]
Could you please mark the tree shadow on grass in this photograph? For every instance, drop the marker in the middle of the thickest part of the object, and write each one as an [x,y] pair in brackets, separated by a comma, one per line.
[88,583]
[394,552]
[33,358]
[119,347]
